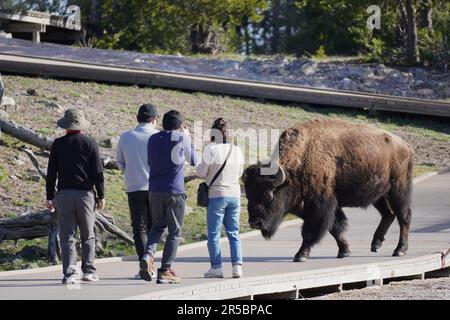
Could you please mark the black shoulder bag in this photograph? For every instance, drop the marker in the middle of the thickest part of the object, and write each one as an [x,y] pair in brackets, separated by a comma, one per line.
[202,191]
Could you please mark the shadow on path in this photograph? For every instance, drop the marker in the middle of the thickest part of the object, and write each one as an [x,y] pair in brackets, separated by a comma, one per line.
[433,228]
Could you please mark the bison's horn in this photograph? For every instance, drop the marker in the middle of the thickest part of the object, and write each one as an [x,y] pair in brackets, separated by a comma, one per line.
[279,178]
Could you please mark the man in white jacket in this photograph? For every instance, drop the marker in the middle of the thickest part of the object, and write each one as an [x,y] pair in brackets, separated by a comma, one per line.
[132,158]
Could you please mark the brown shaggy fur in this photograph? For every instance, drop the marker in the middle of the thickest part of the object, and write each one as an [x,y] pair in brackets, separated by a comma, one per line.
[335,156]
[331,164]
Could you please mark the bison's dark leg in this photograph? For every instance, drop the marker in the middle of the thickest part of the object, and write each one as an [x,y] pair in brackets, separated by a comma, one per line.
[387,217]
[337,231]
[400,201]
[318,219]
[404,219]
[402,210]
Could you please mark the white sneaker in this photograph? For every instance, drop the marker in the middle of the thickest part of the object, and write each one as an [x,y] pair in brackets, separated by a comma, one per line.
[237,271]
[72,279]
[91,277]
[214,273]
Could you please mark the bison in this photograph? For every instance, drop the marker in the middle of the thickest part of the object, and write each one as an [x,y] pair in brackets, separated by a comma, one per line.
[324,166]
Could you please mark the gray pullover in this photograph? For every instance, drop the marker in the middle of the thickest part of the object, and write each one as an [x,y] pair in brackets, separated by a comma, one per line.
[131,156]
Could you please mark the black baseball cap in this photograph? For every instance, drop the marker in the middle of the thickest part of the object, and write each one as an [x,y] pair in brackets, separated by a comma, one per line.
[147,111]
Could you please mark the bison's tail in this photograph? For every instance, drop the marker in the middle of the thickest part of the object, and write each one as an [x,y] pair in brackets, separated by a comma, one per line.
[410,179]
[402,193]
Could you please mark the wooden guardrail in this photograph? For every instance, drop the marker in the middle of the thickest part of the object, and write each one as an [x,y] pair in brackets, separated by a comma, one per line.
[23,64]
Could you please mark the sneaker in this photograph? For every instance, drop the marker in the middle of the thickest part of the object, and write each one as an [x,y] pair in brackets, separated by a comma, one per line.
[237,271]
[71,279]
[147,270]
[138,276]
[167,277]
[214,273]
[90,277]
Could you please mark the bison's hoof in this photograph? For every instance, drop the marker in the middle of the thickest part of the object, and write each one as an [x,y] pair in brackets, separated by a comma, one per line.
[376,244]
[343,254]
[398,253]
[301,258]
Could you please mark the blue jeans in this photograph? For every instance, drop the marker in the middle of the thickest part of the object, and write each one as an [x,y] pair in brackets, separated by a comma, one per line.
[224,210]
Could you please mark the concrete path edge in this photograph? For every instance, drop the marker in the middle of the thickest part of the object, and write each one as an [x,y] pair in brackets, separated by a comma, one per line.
[295,281]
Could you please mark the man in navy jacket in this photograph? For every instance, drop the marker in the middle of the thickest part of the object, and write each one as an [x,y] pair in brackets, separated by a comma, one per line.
[167,152]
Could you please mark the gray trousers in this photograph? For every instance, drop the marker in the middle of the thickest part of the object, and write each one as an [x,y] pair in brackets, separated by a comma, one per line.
[75,208]
[167,211]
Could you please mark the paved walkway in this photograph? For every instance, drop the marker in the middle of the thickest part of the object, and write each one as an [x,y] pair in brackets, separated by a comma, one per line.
[430,233]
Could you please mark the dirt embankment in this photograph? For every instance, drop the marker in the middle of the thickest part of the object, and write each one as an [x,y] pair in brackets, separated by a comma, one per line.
[430,289]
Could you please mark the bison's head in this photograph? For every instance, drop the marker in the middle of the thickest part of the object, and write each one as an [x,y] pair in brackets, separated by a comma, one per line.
[268,199]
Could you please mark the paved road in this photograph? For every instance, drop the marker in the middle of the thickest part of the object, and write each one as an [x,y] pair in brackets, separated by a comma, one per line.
[430,233]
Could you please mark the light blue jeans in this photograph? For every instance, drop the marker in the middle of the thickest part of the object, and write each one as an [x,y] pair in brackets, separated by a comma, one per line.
[226,211]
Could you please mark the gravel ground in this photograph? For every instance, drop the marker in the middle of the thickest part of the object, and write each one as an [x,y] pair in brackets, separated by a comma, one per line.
[430,289]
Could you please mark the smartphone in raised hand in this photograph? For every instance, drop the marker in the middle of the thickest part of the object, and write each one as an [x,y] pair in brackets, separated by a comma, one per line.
[185,129]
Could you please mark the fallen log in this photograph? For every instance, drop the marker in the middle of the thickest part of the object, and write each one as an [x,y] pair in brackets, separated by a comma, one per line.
[35,162]
[24,134]
[113,229]
[27,226]
[39,224]
[44,224]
